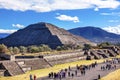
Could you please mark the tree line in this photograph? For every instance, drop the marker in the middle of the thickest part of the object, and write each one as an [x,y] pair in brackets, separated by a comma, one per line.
[43,48]
[23,49]
[35,49]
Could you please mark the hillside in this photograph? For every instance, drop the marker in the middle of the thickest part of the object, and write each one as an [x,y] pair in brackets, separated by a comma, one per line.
[94,34]
[3,35]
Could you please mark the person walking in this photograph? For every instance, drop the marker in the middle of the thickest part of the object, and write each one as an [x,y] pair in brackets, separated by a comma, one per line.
[72,75]
[31,77]
[34,77]
[75,72]
[99,76]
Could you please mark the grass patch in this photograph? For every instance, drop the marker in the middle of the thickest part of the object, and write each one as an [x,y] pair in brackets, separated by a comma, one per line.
[44,72]
[112,76]
[118,56]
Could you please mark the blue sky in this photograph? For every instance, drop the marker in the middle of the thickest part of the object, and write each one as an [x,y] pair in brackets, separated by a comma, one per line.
[67,14]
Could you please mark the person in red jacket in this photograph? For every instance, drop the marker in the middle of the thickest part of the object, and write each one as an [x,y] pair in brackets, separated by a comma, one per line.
[34,77]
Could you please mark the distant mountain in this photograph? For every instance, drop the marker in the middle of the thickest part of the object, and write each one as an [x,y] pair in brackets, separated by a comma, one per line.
[3,35]
[95,34]
[43,33]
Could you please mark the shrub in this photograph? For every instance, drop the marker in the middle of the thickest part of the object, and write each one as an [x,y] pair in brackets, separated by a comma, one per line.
[33,49]
[23,49]
[3,48]
[10,50]
[16,50]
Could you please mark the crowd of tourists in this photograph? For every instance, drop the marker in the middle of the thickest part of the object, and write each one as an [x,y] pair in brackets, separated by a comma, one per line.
[81,70]
[72,72]
[110,64]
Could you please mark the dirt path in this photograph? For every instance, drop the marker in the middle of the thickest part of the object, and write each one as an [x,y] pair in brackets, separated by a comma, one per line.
[91,74]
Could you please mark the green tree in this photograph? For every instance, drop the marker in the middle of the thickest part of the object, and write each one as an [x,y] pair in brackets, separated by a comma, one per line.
[3,48]
[86,47]
[59,48]
[41,49]
[16,50]
[33,49]
[10,50]
[46,47]
[64,47]
[104,44]
[78,47]
[23,49]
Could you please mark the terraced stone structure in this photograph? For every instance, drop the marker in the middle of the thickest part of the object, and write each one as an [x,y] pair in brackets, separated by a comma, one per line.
[12,68]
[20,66]
[107,52]
[65,58]
[43,33]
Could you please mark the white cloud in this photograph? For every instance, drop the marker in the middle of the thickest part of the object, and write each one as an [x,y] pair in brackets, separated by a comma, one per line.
[51,5]
[111,29]
[96,9]
[7,31]
[111,14]
[105,3]
[113,21]
[18,25]
[68,18]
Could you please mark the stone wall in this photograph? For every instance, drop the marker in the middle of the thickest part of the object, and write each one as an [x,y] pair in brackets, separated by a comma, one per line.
[12,67]
[64,58]
[7,57]
[37,63]
[2,72]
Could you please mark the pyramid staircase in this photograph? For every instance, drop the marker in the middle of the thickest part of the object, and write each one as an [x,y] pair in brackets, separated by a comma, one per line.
[13,68]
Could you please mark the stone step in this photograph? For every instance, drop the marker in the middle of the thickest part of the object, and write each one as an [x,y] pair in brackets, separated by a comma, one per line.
[36,64]
[95,54]
[13,68]
[111,53]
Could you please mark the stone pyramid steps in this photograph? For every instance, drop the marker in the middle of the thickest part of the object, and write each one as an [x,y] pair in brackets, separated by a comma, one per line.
[102,53]
[13,68]
[111,53]
[95,54]
[36,63]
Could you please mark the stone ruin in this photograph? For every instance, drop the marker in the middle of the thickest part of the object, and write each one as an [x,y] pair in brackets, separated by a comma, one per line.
[12,68]
[20,66]
[107,52]
[66,57]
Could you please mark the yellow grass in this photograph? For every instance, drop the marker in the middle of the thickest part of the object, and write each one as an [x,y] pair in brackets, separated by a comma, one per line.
[44,72]
[112,76]
[118,56]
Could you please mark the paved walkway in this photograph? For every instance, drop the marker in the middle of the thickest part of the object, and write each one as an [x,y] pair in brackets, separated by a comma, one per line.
[91,74]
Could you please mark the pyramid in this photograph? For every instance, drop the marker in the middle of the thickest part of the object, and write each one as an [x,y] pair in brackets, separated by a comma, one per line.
[43,33]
